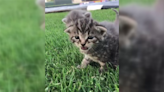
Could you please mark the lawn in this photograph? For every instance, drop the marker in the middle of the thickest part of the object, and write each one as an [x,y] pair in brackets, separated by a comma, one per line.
[21,47]
[140,2]
[62,57]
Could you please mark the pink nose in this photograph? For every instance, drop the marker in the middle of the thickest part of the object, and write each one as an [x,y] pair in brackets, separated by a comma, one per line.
[82,44]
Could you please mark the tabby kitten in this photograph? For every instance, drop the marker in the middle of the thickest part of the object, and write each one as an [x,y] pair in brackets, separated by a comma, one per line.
[97,41]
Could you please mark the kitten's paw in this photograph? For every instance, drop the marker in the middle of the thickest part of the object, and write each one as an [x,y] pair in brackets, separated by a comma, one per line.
[79,66]
[103,69]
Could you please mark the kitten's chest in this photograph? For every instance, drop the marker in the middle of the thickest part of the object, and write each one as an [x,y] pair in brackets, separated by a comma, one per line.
[100,53]
[98,56]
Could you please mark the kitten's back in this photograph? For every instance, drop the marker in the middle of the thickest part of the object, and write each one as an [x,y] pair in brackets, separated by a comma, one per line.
[111,28]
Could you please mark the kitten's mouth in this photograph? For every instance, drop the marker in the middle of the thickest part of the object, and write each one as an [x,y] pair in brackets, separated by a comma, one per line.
[84,48]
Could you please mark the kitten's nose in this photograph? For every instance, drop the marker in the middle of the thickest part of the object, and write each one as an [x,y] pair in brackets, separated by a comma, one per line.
[82,44]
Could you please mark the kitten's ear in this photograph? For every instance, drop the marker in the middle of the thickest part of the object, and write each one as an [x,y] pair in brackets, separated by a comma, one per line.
[101,29]
[68,30]
[87,14]
[127,25]
[64,20]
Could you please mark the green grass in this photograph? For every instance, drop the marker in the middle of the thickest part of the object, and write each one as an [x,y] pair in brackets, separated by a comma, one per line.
[140,2]
[62,57]
[21,47]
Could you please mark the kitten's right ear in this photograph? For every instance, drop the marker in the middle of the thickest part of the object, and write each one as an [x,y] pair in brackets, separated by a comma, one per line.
[127,25]
[68,30]
[101,29]
[64,20]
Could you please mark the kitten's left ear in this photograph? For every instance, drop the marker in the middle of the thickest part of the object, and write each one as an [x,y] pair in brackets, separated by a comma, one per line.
[68,30]
[101,29]
[87,14]
[64,20]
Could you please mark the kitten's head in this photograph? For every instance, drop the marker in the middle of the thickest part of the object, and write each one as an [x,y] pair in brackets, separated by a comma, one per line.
[74,15]
[86,33]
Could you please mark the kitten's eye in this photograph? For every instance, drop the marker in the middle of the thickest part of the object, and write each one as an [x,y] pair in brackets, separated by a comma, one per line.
[77,37]
[90,37]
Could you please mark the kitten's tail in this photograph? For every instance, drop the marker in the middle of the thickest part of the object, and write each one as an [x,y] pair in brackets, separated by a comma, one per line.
[116,22]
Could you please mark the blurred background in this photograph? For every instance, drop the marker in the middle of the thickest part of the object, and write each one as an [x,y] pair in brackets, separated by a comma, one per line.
[141,61]
[50,3]
[67,5]
[21,47]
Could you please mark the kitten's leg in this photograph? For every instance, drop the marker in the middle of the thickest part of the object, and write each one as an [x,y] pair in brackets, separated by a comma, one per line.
[84,62]
[102,66]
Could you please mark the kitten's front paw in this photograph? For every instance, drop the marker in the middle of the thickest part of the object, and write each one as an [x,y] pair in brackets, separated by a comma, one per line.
[79,66]
[102,70]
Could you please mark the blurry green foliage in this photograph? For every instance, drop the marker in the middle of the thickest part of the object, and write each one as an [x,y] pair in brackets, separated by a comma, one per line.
[21,47]
[143,2]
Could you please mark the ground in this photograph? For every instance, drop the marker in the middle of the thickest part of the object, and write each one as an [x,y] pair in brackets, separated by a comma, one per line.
[62,58]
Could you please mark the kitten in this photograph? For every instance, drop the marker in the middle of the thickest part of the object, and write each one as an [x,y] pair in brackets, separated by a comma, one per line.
[97,41]
[141,61]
